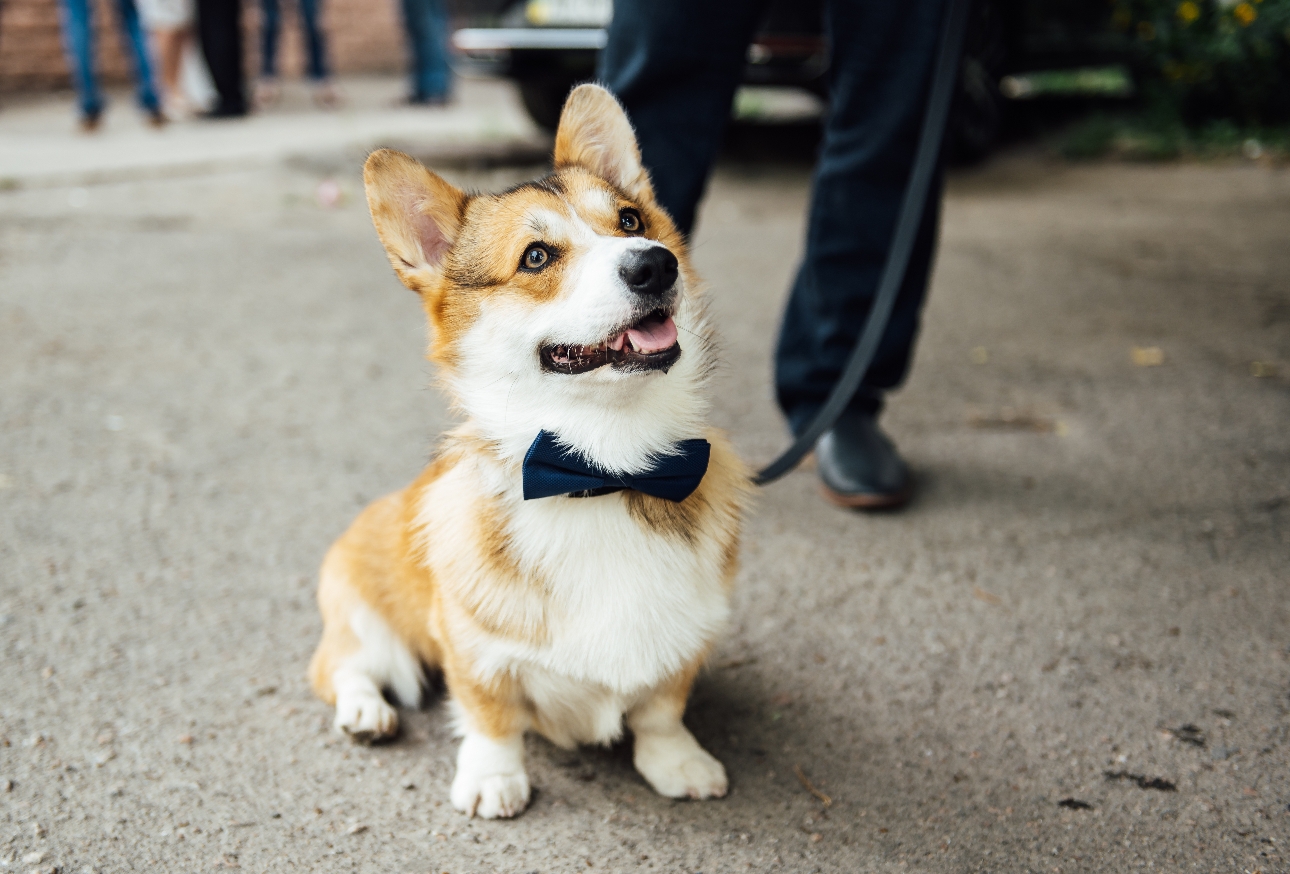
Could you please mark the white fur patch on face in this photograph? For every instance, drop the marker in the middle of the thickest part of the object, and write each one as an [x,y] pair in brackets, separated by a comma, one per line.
[594,301]
[548,223]
[619,420]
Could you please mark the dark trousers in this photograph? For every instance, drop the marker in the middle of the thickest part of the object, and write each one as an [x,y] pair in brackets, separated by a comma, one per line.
[426,23]
[314,42]
[219,26]
[675,64]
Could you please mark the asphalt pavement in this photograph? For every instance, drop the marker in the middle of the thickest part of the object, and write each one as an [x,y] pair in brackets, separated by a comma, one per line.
[1071,653]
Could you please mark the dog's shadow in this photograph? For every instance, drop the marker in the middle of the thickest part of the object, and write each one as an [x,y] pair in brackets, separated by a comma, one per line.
[731,713]
[715,710]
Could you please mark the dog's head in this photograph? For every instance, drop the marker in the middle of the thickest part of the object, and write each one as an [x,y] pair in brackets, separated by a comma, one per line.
[566,304]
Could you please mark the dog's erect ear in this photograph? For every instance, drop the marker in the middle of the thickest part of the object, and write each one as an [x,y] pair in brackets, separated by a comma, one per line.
[417,214]
[595,134]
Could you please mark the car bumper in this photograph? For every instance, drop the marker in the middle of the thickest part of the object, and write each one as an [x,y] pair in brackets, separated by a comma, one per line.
[494,40]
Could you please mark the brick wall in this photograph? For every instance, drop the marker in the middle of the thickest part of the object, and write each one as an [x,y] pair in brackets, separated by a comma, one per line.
[364,36]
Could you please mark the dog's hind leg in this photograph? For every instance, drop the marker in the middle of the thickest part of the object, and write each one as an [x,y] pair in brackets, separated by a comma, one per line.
[360,655]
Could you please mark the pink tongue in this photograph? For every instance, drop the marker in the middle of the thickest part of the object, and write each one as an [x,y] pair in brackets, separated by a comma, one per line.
[653,335]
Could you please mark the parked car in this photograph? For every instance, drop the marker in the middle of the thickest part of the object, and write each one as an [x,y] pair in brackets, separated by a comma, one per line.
[548,46]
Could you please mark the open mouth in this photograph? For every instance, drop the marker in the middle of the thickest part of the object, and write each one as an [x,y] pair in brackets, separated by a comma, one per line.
[649,344]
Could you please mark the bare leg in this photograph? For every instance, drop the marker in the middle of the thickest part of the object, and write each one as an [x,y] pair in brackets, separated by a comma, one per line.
[170,50]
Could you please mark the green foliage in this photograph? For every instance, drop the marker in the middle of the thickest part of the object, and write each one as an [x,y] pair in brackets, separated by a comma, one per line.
[1200,60]
[1091,138]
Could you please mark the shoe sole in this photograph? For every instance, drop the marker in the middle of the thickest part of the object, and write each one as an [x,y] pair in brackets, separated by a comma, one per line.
[867,501]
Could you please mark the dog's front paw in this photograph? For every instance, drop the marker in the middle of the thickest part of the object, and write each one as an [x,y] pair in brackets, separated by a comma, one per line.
[366,717]
[676,766]
[490,779]
[491,797]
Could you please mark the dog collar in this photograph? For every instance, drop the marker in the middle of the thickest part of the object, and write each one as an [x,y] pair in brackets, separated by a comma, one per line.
[551,468]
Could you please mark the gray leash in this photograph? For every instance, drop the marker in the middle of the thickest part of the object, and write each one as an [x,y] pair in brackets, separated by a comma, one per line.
[926,160]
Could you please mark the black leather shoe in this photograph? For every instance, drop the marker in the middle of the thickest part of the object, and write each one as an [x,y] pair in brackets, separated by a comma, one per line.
[860,467]
[225,111]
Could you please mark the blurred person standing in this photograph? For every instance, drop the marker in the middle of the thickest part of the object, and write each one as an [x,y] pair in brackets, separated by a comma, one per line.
[675,65]
[171,24]
[219,28]
[267,89]
[78,40]
[426,22]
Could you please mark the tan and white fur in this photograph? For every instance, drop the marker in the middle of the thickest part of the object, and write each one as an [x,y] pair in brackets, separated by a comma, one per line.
[568,616]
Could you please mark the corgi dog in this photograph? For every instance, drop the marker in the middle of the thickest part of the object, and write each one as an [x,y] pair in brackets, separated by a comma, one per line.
[568,327]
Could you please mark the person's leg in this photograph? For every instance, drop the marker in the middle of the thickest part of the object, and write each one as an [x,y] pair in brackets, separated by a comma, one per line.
[267,91]
[137,47]
[436,76]
[220,29]
[170,48]
[315,41]
[675,65]
[270,23]
[78,40]
[427,24]
[820,327]
[412,29]
[882,60]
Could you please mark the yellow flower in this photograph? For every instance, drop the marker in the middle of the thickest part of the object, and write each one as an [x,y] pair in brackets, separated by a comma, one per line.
[1245,14]
[1188,12]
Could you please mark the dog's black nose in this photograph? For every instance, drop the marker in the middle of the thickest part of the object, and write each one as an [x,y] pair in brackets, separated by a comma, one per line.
[649,272]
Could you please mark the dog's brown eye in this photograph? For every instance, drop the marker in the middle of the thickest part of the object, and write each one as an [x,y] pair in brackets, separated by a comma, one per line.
[630,221]
[536,257]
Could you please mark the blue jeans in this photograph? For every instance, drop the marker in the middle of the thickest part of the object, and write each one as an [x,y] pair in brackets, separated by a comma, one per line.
[426,22]
[78,40]
[272,23]
[675,64]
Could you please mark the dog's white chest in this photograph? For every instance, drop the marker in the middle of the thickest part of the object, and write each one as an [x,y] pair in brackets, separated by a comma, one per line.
[628,606]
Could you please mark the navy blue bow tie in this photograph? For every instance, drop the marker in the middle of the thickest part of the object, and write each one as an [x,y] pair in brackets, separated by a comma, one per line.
[552,469]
